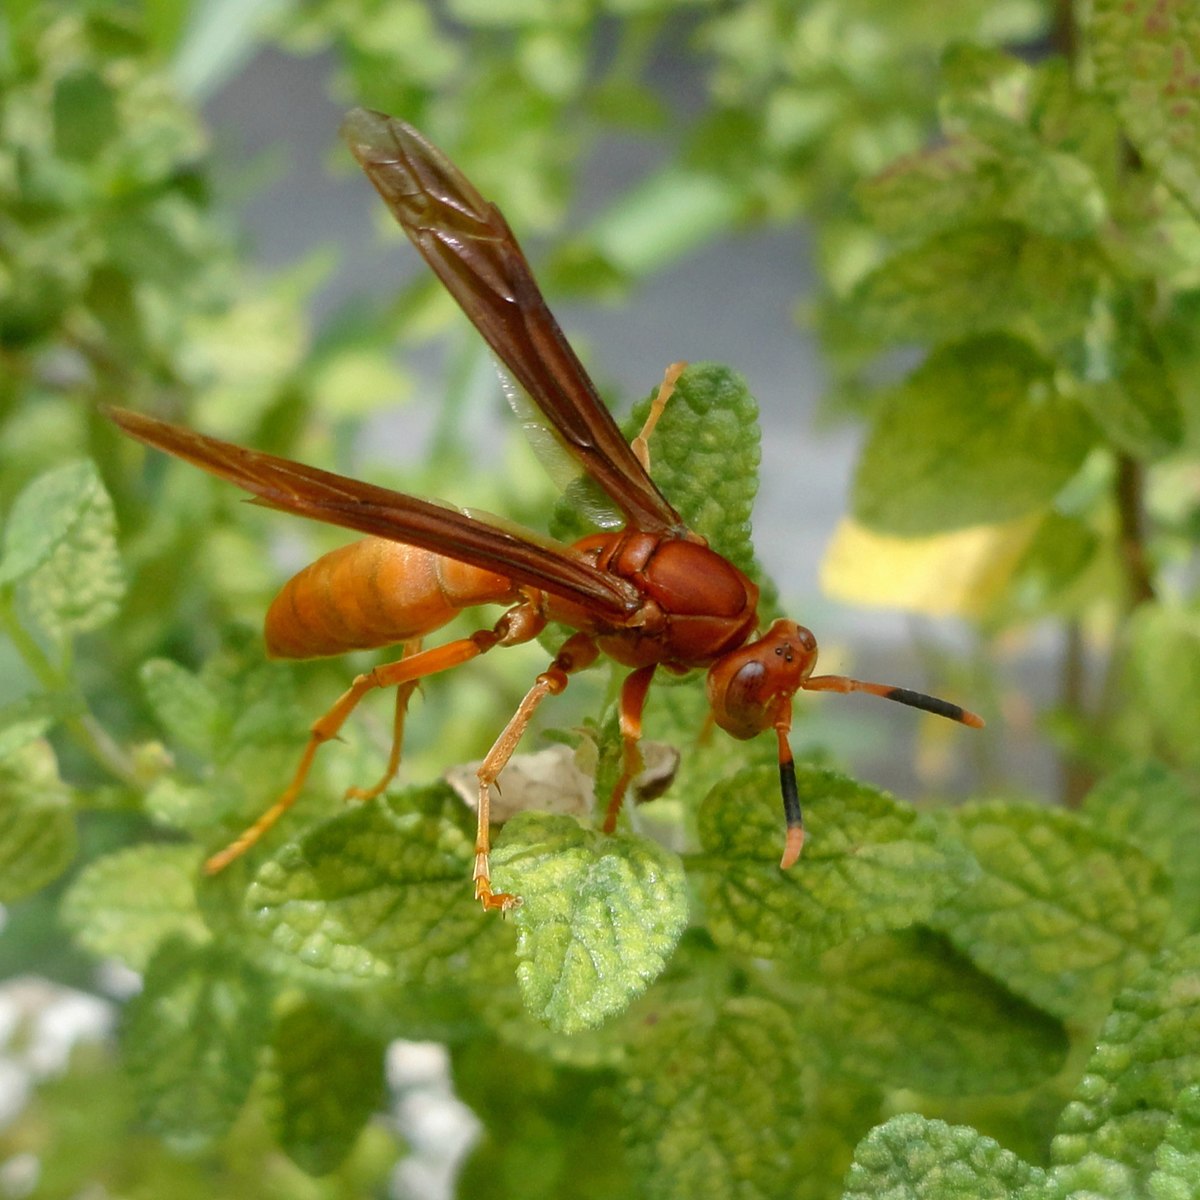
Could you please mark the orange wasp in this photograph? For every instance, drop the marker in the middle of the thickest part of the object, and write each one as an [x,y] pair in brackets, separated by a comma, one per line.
[650,595]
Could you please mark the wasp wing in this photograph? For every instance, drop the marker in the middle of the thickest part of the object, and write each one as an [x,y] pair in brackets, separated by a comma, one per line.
[338,500]
[471,249]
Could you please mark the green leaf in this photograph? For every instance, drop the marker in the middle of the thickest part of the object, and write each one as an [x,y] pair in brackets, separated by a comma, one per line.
[870,863]
[1148,1054]
[37,826]
[977,434]
[1177,1163]
[125,904]
[968,181]
[44,516]
[179,806]
[912,1158]
[599,919]
[373,894]
[1157,810]
[1146,56]
[60,540]
[1062,913]
[1059,554]
[541,1125]
[713,1104]
[705,453]
[966,282]
[324,1079]
[905,1010]
[191,1040]
[183,703]
[933,190]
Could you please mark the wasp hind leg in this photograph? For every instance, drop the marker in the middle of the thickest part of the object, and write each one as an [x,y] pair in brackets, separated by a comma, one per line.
[518,624]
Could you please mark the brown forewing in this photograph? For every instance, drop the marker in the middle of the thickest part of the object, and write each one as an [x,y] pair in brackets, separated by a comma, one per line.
[338,500]
[469,246]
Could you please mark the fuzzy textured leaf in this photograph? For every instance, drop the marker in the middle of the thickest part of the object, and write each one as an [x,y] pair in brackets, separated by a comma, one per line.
[977,434]
[191,1040]
[713,1104]
[870,863]
[599,919]
[1177,1163]
[1147,1056]
[704,455]
[906,1010]
[1062,914]
[371,895]
[324,1079]
[913,1158]
[37,826]
[125,904]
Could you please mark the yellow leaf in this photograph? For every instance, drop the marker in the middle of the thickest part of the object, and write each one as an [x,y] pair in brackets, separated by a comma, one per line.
[947,574]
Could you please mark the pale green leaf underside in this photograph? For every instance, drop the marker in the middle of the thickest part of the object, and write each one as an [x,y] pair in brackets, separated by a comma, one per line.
[125,904]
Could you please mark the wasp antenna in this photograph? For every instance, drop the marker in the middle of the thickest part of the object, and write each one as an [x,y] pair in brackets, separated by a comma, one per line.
[930,704]
[791,803]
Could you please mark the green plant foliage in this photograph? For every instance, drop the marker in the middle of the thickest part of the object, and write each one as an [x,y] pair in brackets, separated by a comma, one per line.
[984,986]
[324,1081]
[1145,56]
[370,895]
[598,920]
[688,1062]
[38,836]
[870,863]
[1017,441]
[1063,914]
[904,1009]
[913,1156]
[123,905]
[192,1039]
[1124,1107]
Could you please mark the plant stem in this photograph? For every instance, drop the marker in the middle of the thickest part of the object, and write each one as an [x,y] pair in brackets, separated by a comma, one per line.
[1132,531]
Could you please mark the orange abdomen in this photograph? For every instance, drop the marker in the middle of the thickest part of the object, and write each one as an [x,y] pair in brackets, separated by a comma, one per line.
[372,593]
